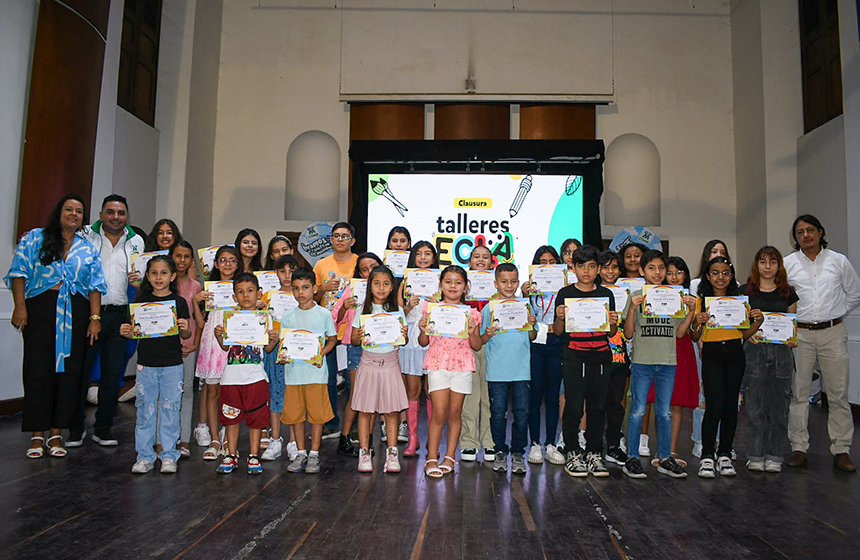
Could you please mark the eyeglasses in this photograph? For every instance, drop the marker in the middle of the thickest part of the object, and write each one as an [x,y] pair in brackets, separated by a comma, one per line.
[717,273]
[341,237]
[222,260]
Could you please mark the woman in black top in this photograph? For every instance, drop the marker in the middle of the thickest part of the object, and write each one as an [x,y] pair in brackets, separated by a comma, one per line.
[769,367]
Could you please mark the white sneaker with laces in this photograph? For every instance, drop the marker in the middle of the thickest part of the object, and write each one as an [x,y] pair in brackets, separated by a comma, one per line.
[644,450]
[274,450]
[168,466]
[553,455]
[292,451]
[536,454]
[202,436]
[757,466]
[772,466]
[142,467]
[365,463]
[724,465]
[392,463]
[403,432]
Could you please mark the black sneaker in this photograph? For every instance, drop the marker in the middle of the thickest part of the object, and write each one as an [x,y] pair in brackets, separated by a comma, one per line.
[616,456]
[575,465]
[346,448]
[330,433]
[103,437]
[633,468]
[671,468]
[76,438]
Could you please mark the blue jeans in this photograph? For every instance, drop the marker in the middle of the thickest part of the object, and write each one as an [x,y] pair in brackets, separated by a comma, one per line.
[154,383]
[544,387]
[519,391]
[641,377]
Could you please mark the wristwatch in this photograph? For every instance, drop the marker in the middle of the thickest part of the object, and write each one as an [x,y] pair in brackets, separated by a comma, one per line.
[95,317]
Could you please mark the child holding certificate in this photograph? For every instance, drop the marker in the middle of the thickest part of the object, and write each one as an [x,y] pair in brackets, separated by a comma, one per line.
[244,389]
[343,314]
[159,358]
[450,362]
[399,239]
[306,393]
[378,387]
[476,406]
[586,356]
[723,364]
[422,255]
[769,366]
[211,359]
[508,370]
[655,340]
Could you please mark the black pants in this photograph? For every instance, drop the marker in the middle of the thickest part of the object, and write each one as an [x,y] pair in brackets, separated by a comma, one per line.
[51,398]
[618,375]
[723,366]
[585,384]
[112,347]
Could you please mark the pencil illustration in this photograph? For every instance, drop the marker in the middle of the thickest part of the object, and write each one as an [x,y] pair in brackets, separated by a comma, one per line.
[525,187]
[380,188]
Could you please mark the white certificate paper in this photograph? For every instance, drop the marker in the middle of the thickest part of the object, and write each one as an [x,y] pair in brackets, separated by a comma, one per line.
[383,329]
[422,282]
[632,284]
[586,314]
[778,328]
[396,261]
[663,301]
[222,295]
[139,260]
[547,278]
[279,303]
[445,319]
[728,312]
[620,294]
[154,319]
[301,345]
[510,315]
[243,327]
[481,285]
[207,259]
[268,280]
[359,290]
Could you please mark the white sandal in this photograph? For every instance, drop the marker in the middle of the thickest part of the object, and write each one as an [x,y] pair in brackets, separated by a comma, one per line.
[212,452]
[59,450]
[36,452]
[445,468]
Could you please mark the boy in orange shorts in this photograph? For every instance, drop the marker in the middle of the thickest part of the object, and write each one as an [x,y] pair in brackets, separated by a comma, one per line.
[306,385]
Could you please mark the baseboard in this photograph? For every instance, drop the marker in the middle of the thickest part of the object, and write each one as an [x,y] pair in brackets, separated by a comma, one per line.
[855,411]
[11,406]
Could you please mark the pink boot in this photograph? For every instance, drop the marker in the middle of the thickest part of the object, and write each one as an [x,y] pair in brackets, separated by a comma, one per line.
[412,421]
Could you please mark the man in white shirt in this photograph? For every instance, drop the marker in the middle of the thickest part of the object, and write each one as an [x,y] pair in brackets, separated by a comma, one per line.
[829,289]
[116,243]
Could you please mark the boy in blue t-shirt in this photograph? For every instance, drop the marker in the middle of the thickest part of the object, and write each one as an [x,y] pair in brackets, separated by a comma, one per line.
[508,372]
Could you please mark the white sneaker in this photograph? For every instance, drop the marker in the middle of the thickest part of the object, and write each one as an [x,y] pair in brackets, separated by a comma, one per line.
[553,455]
[536,454]
[623,444]
[757,466]
[724,465]
[128,395]
[142,467]
[292,451]
[582,439]
[697,449]
[706,468]
[772,466]
[93,395]
[365,463]
[644,450]
[168,466]
[403,432]
[274,450]
[202,436]
[392,463]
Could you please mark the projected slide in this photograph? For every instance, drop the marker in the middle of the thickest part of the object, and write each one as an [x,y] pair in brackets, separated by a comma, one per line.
[512,215]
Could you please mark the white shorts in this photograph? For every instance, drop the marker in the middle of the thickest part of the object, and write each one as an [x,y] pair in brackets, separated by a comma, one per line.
[212,380]
[457,381]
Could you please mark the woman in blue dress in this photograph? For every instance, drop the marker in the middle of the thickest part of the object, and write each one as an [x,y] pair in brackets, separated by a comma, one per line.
[57,282]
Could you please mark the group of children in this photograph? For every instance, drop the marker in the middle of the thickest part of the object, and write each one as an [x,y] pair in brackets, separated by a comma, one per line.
[471,383]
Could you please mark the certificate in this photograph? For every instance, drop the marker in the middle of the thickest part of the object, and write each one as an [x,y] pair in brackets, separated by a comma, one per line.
[222,295]
[279,303]
[445,319]
[139,260]
[547,278]
[510,314]
[482,285]
[243,327]
[632,284]
[301,345]
[383,329]
[268,280]
[396,261]
[620,294]
[422,282]
[359,290]
[154,319]
[778,328]
[728,312]
[666,302]
[207,259]
[586,314]
[570,277]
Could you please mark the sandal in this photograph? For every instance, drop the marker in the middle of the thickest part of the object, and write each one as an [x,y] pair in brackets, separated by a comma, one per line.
[36,452]
[445,468]
[58,450]
[433,472]
[212,452]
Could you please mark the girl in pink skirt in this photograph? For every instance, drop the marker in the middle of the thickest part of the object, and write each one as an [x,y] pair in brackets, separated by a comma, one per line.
[378,386]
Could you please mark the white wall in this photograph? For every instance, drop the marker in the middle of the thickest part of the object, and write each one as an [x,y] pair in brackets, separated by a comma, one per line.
[135,166]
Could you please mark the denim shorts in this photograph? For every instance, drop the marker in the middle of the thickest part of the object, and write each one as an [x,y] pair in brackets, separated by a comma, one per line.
[353,356]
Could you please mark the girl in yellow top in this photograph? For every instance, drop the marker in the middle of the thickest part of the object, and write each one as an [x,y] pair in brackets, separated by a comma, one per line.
[723,365]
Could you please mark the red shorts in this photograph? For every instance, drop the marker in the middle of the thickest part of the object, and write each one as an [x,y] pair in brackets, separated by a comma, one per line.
[248,402]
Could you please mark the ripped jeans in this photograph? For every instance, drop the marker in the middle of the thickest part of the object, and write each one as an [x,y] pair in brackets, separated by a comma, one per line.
[154,383]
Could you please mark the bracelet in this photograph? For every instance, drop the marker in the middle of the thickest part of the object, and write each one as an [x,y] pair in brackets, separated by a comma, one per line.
[95,317]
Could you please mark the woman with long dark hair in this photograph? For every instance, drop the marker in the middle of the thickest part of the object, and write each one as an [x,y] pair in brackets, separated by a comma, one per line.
[57,282]
[164,236]
[250,248]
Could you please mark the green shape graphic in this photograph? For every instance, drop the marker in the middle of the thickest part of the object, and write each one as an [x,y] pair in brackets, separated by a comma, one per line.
[566,219]
[371,196]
